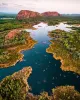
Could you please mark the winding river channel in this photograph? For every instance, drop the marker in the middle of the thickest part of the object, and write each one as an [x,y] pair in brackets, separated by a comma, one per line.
[46,72]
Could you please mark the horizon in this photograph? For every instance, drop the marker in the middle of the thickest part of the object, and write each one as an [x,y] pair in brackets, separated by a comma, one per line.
[60,6]
[38,12]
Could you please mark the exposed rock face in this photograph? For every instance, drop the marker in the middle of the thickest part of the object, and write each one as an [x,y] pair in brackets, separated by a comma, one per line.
[47,14]
[12,34]
[23,14]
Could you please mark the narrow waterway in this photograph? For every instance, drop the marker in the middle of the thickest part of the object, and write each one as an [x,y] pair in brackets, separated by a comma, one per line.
[46,69]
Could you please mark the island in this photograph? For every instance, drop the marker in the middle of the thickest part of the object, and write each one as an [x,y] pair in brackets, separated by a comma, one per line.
[65,47]
[11,44]
[15,87]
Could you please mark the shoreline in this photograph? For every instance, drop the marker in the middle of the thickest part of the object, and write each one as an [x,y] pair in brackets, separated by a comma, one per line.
[63,68]
[21,78]
[19,49]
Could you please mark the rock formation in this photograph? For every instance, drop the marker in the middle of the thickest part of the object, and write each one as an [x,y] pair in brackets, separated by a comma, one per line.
[23,14]
[47,14]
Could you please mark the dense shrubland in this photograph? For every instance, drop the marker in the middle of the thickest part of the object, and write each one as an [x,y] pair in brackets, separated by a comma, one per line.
[10,47]
[8,24]
[65,46]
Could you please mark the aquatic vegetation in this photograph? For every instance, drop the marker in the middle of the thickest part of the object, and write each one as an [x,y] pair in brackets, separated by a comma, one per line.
[65,46]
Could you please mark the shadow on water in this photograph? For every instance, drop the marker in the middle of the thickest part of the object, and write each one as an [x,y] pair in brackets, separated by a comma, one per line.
[46,72]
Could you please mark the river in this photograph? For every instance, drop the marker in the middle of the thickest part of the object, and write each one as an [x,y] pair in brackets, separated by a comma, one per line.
[46,72]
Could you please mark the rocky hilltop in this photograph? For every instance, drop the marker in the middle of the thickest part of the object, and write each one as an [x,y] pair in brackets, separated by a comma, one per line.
[23,14]
[47,14]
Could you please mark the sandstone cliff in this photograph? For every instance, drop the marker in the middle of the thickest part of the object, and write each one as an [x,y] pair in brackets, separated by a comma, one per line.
[23,14]
[47,14]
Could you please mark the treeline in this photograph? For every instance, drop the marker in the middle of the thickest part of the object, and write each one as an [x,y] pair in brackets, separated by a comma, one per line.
[6,15]
[70,41]
[8,24]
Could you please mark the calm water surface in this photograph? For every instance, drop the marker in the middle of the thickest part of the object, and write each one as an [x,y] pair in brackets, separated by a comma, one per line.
[46,70]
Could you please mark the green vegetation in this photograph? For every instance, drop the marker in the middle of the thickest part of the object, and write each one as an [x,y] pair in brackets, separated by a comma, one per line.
[7,15]
[15,87]
[16,40]
[65,46]
[65,93]
[11,89]
[76,28]
[20,41]
[8,24]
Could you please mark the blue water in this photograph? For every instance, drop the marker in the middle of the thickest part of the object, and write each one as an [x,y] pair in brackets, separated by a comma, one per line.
[46,72]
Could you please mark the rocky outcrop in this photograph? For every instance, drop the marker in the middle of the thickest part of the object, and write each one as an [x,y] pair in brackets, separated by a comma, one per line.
[23,14]
[12,34]
[47,14]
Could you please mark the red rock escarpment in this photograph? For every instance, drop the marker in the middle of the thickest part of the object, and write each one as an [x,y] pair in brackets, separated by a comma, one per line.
[23,14]
[47,14]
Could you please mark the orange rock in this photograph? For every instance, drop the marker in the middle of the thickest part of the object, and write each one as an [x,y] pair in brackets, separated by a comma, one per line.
[12,34]
[23,14]
[50,14]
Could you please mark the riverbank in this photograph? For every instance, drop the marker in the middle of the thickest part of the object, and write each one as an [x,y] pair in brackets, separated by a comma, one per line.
[16,85]
[66,62]
[14,52]
[61,52]
[18,88]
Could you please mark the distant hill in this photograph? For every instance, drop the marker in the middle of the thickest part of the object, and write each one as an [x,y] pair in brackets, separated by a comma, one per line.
[75,15]
[48,14]
[23,14]
[7,15]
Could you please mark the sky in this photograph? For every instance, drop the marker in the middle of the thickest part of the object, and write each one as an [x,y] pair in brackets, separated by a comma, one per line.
[61,6]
